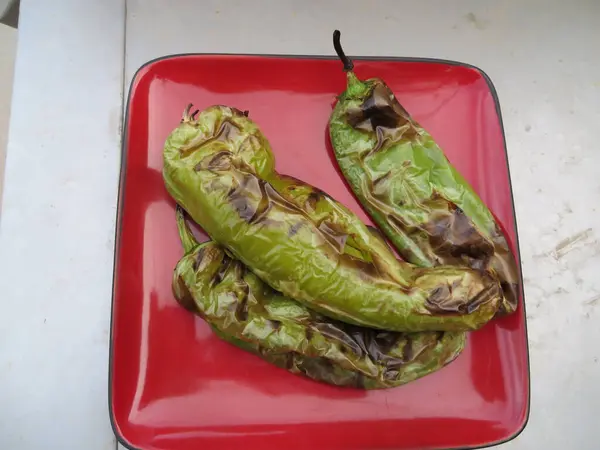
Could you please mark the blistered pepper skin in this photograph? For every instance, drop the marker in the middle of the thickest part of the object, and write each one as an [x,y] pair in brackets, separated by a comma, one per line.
[409,188]
[246,312]
[302,243]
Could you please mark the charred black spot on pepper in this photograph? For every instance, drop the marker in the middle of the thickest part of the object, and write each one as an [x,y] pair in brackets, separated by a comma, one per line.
[337,332]
[455,240]
[226,260]
[379,345]
[199,258]
[390,374]
[185,297]
[216,279]
[219,161]
[228,131]
[359,336]
[253,198]
[374,112]
[441,301]
[382,114]
[240,197]
[243,207]
[312,200]
[241,312]
[240,270]
[269,198]
[330,330]
[308,333]
[490,292]
[223,268]
[264,204]
[386,340]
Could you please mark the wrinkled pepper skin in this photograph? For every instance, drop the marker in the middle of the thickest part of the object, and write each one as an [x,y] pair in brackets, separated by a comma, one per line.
[412,192]
[220,169]
[246,312]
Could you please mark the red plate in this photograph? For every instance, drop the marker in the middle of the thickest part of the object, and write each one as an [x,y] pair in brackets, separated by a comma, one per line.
[176,386]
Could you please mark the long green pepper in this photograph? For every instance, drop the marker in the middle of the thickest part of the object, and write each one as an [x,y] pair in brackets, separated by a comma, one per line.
[243,310]
[409,188]
[219,167]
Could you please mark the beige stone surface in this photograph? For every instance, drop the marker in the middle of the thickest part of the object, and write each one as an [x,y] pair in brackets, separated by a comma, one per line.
[8,46]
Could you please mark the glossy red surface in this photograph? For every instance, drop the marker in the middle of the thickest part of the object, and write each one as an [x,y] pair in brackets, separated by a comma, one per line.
[176,386]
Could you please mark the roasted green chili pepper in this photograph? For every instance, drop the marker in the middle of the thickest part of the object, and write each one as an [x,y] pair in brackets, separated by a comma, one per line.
[410,189]
[245,311]
[301,242]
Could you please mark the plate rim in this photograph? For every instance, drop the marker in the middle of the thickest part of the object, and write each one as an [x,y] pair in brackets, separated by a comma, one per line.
[120,201]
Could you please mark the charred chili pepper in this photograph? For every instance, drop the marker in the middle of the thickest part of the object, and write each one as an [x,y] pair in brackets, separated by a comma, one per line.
[245,311]
[301,242]
[409,188]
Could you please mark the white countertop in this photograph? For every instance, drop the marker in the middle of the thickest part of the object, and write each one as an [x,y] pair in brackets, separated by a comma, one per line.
[57,225]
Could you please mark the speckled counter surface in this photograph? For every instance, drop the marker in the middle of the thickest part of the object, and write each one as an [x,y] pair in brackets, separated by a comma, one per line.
[57,225]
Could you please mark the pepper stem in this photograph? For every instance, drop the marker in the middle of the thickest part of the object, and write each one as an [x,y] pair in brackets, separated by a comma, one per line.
[348,64]
[187,117]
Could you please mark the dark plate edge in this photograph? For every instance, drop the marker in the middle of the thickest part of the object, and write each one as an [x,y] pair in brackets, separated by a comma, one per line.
[122,179]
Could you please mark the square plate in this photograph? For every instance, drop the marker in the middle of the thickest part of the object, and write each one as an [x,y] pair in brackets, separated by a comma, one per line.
[174,385]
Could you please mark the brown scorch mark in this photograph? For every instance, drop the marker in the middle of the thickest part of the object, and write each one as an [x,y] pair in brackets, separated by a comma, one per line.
[442,302]
[223,268]
[241,312]
[454,239]
[185,297]
[217,162]
[227,131]
[334,235]
[199,258]
[382,114]
[254,197]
